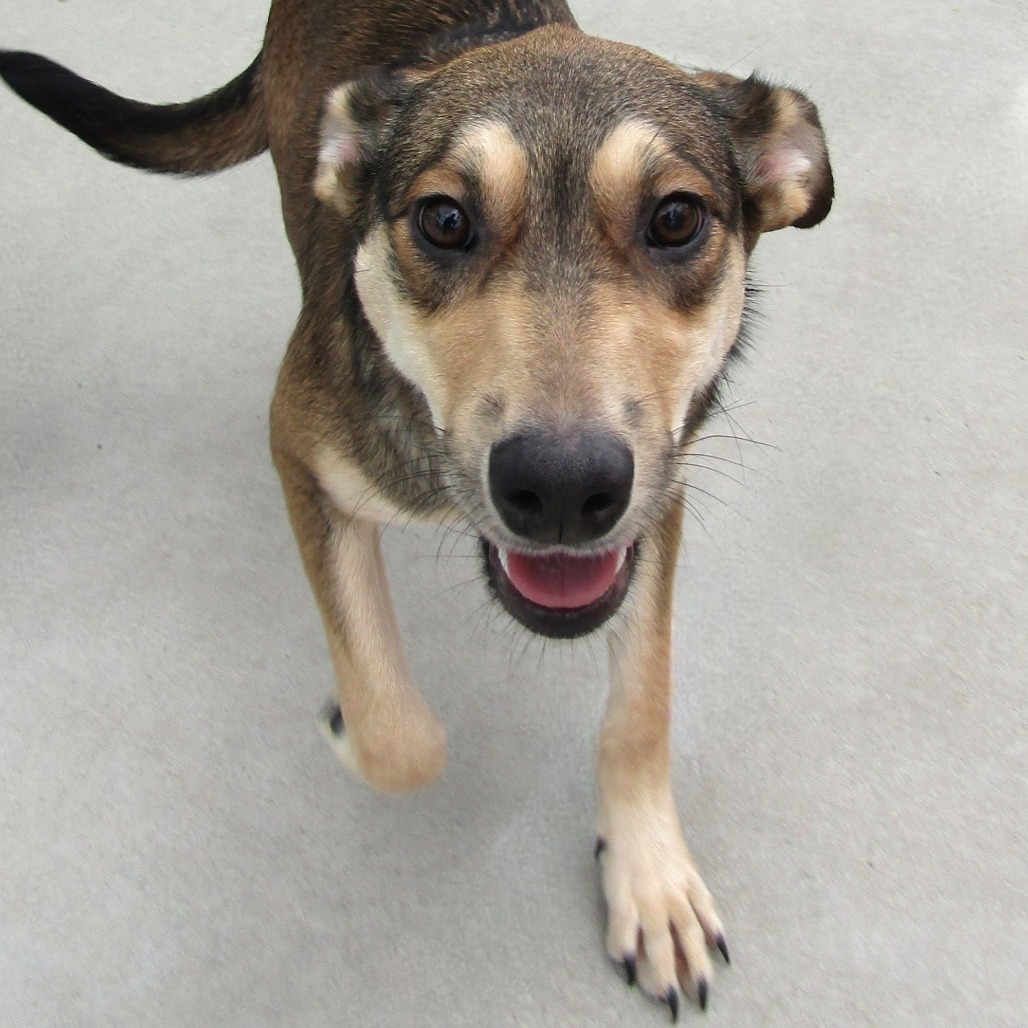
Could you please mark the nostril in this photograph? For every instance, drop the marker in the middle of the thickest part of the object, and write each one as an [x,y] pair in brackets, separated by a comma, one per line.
[525,501]
[598,503]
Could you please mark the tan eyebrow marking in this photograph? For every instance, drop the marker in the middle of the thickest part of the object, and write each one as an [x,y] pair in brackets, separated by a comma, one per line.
[438,180]
[620,165]
[494,156]
[488,156]
[636,156]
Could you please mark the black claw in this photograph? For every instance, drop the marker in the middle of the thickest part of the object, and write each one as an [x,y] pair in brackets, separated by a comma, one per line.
[672,1002]
[724,949]
[701,993]
[601,845]
[631,970]
[335,722]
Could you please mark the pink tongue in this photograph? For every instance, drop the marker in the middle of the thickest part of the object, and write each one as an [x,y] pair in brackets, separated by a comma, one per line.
[563,582]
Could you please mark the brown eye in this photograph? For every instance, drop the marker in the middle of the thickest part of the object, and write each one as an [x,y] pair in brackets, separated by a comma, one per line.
[444,224]
[677,221]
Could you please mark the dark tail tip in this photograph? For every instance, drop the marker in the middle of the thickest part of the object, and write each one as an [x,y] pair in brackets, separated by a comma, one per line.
[42,82]
[82,107]
[204,135]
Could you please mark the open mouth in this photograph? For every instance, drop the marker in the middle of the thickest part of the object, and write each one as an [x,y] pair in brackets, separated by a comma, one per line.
[559,594]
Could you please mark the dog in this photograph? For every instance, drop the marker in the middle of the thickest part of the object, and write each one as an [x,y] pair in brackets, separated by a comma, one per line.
[523,257]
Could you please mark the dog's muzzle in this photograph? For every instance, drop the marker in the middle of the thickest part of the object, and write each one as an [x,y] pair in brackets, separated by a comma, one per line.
[560,494]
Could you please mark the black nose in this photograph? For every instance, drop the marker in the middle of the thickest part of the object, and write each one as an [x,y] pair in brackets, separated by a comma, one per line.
[561,490]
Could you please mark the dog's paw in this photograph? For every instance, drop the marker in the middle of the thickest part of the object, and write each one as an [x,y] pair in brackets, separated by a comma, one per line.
[661,918]
[400,756]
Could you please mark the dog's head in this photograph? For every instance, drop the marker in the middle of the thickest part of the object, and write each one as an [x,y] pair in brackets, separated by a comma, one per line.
[553,241]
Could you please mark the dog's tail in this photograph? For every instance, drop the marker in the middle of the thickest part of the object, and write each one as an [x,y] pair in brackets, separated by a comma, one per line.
[225,127]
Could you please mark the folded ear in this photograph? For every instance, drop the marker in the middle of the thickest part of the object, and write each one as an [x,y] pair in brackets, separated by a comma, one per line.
[358,116]
[780,148]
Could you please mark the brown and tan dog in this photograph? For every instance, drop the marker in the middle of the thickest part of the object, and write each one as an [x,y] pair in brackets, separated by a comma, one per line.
[523,254]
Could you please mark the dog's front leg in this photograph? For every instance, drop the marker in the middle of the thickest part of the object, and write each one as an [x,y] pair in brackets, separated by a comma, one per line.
[660,915]
[386,732]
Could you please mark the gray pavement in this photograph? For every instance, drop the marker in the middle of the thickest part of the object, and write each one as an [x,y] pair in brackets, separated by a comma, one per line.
[178,845]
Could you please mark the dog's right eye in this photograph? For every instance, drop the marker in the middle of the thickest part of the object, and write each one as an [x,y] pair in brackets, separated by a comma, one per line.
[444,223]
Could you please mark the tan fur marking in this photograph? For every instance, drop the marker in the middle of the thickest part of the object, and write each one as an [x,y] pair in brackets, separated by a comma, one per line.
[634,749]
[715,328]
[619,168]
[633,160]
[649,877]
[488,152]
[668,355]
[396,324]
[350,490]
[440,180]
[455,355]
[502,167]
[393,737]
[682,177]
[356,496]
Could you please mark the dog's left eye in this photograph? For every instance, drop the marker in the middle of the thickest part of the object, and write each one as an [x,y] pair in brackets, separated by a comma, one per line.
[678,220]
[444,223]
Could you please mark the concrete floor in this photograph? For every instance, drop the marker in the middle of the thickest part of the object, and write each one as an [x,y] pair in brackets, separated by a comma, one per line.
[178,845]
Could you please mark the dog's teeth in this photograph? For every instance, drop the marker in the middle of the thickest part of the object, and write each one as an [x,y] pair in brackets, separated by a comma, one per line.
[504,556]
[621,561]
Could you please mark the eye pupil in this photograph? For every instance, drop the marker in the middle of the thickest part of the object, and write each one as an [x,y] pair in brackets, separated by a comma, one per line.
[677,221]
[444,224]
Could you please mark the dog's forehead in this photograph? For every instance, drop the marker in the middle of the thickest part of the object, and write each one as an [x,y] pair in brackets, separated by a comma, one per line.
[559,97]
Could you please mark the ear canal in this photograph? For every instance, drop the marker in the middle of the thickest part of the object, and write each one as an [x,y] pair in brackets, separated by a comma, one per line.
[781,151]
